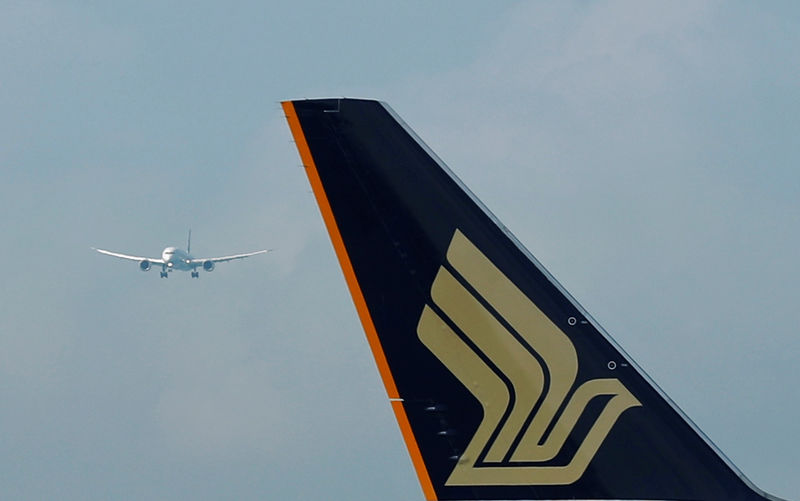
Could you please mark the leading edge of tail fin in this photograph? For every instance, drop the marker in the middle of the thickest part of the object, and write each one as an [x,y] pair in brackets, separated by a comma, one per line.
[503,386]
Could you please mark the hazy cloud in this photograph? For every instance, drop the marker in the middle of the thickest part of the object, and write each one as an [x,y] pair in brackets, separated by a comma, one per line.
[645,153]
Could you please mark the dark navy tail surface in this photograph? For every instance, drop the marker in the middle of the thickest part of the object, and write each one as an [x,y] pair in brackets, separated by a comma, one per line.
[503,386]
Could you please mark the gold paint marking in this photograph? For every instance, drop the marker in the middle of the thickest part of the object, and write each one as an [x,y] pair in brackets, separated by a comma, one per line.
[473,373]
[524,371]
[541,334]
[494,340]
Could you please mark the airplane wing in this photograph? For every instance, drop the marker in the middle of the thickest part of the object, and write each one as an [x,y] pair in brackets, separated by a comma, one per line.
[229,258]
[129,257]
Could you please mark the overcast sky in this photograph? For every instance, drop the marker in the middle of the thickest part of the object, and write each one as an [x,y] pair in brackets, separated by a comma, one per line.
[647,153]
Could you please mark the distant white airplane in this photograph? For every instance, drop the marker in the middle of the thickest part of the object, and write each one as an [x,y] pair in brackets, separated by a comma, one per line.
[173,258]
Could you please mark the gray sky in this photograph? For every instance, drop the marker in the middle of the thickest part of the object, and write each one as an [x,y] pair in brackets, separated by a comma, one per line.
[646,153]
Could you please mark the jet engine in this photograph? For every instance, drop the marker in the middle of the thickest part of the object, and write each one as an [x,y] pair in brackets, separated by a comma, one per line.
[144,265]
[208,265]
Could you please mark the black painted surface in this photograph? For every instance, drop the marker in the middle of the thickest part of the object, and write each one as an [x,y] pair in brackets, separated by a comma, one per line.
[397,210]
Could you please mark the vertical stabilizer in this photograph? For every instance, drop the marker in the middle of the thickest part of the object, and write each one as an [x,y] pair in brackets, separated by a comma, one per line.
[503,386]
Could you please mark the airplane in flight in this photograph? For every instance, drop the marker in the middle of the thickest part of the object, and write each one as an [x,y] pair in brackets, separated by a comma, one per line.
[173,258]
[503,386]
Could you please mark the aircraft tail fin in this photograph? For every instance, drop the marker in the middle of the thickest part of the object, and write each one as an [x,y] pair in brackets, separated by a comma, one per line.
[189,243]
[503,386]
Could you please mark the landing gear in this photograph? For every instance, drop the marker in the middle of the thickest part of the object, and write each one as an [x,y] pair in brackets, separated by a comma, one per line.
[164,271]
[164,274]
[195,274]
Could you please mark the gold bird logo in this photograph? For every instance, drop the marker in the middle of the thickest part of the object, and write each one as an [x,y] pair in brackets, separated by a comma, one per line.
[521,367]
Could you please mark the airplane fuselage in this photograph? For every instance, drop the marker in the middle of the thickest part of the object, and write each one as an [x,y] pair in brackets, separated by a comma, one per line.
[178,259]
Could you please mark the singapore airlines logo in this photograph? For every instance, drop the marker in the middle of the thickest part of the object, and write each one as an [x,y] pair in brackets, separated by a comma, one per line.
[521,368]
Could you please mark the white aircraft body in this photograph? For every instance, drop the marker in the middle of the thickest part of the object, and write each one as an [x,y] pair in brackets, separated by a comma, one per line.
[173,258]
